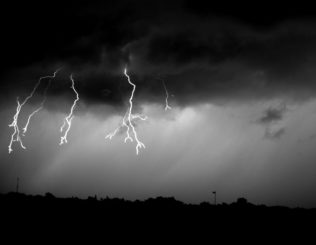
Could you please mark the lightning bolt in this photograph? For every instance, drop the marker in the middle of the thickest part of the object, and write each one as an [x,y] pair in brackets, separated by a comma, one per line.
[15,137]
[128,119]
[167,96]
[68,119]
[43,101]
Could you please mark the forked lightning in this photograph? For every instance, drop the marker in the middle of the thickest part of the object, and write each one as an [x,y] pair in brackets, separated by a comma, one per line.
[68,119]
[15,137]
[128,119]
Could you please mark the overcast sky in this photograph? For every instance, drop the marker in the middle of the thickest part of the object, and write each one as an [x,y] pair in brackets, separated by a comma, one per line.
[241,85]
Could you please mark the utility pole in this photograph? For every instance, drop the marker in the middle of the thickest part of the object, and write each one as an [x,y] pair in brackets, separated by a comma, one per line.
[17,185]
[214,192]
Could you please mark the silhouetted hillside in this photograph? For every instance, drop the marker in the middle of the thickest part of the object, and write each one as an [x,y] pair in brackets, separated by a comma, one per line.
[155,214]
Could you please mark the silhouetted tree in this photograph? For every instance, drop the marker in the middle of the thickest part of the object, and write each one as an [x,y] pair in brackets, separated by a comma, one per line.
[49,195]
[242,201]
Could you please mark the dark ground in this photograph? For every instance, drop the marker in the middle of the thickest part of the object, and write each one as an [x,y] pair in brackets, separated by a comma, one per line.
[155,217]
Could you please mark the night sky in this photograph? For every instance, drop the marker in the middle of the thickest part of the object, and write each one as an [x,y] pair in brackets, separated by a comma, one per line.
[241,82]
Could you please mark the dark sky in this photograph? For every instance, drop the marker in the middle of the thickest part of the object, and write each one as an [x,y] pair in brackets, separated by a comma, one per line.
[241,83]
[181,40]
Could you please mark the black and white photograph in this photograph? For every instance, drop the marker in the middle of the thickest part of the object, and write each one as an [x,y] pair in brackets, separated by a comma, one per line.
[143,112]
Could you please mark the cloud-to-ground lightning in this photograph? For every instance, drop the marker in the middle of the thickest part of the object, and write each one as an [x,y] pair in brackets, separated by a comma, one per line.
[127,121]
[16,134]
[68,119]
[15,137]
[167,107]
[43,101]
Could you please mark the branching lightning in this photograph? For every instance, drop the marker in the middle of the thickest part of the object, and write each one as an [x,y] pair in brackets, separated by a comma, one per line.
[43,101]
[15,137]
[128,119]
[167,96]
[68,119]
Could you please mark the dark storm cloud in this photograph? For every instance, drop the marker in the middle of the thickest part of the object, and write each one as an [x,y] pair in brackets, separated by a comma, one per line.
[204,52]
[272,115]
[271,119]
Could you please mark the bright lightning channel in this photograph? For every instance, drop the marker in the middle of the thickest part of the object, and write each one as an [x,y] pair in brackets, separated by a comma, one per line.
[42,103]
[167,107]
[15,137]
[127,121]
[68,119]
